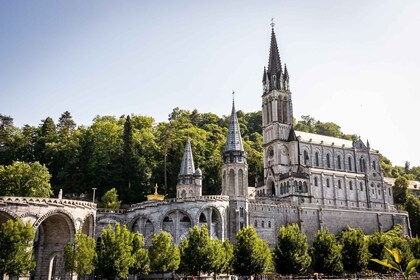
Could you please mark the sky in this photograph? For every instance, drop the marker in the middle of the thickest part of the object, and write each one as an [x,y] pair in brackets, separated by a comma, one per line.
[354,63]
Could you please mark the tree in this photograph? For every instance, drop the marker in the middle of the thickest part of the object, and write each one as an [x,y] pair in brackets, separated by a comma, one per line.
[197,252]
[164,256]
[412,206]
[291,252]
[110,200]
[252,255]
[23,179]
[326,253]
[400,190]
[16,242]
[415,247]
[80,256]
[116,257]
[141,256]
[355,254]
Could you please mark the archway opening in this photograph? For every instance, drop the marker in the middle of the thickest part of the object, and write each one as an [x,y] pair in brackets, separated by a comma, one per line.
[52,235]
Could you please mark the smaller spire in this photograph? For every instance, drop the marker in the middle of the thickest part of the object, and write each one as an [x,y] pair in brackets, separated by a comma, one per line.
[264,75]
[286,73]
[187,165]
[234,139]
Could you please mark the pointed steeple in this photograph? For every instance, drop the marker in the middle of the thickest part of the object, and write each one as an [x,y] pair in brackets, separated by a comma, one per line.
[187,165]
[234,139]
[274,62]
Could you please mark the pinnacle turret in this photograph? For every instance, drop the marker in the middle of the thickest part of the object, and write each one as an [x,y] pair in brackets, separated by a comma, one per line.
[234,139]
[187,165]
[234,149]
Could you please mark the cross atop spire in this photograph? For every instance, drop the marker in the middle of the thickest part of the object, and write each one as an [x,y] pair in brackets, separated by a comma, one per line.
[272,23]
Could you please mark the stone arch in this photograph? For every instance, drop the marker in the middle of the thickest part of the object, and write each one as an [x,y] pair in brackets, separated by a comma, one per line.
[177,223]
[270,185]
[6,214]
[55,229]
[213,219]
[88,225]
[145,226]
[183,194]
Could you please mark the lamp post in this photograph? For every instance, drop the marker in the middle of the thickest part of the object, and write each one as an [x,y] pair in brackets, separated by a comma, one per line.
[94,191]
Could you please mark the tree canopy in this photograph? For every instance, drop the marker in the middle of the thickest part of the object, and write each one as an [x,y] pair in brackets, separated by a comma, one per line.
[16,254]
[252,255]
[23,179]
[133,153]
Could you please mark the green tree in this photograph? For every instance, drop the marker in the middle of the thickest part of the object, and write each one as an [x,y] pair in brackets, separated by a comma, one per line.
[197,252]
[291,252]
[355,254]
[252,255]
[110,200]
[415,247]
[80,256]
[164,256]
[141,256]
[412,206]
[22,179]
[326,253]
[400,190]
[16,254]
[377,242]
[116,257]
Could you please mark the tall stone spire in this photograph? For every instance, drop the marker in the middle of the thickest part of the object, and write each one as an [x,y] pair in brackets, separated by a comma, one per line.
[234,139]
[274,62]
[187,165]
[189,178]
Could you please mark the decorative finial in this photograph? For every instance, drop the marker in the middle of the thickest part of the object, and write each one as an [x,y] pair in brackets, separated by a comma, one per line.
[233,95]
[272,23]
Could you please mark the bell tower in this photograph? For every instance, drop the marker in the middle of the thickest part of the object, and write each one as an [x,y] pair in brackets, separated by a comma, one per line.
[279,142]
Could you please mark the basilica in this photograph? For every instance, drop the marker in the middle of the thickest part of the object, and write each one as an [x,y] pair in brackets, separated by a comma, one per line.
[313,180]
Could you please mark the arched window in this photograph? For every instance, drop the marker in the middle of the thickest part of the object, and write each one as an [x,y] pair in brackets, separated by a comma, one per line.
[300,187]
[316,159]
[328,161]
[349,162]
[316,181]
[328,183]
[362,164]
[339,162]
[273,189]
[269,224]
[262,223]
[339,184]
[374,165]
[361,186]
[351,185]
[305,157]
[256,224]
[305,187]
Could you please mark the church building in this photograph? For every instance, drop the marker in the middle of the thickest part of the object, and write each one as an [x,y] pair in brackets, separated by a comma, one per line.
[312,180]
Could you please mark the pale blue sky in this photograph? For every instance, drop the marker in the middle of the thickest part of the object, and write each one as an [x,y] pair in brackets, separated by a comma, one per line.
[355,63]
